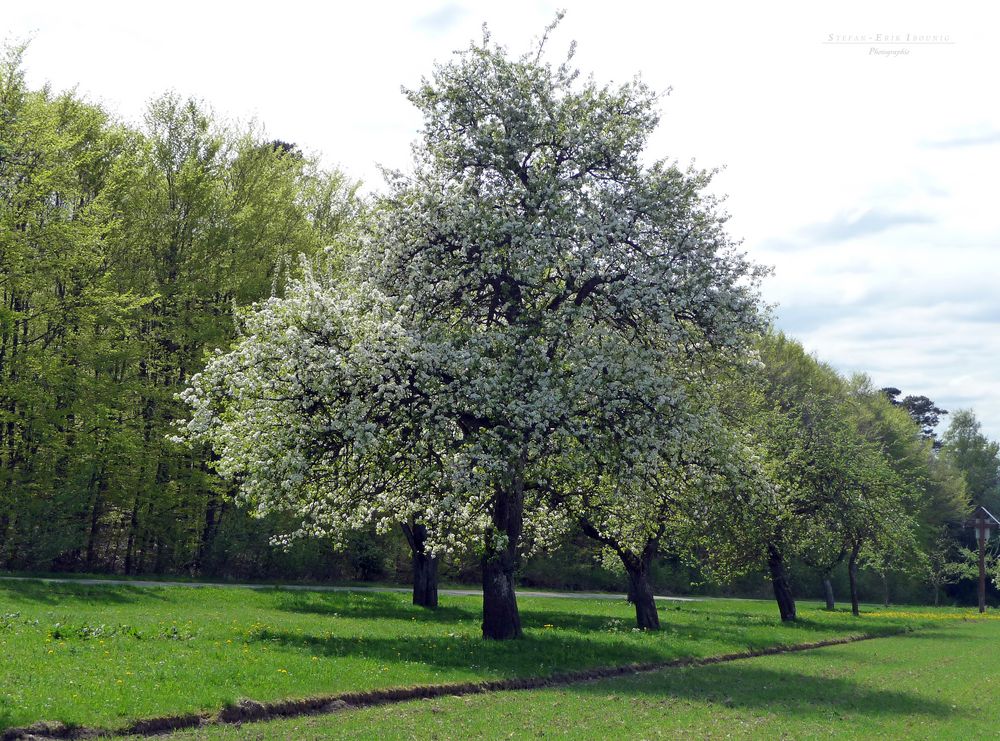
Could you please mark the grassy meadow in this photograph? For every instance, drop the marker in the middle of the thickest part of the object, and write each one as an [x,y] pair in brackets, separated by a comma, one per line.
[103,655]
[938,683]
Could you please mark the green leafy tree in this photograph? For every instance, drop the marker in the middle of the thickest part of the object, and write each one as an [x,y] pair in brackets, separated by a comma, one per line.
[948,563]
[62,322]
[122,253]
[922,505]
[824,488]
[942,503]
[975,456]
[924,412]
[810,452]
[207,219]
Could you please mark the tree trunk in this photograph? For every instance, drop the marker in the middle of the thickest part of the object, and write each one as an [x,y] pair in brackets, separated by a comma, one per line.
[425,588]
[425,591]
[885,588]
[95,524]
[982,566]
[852,572]
[828,591]
[779,580]
[640,593]
[133,527]
[210,527]
[5,539]
[501,620]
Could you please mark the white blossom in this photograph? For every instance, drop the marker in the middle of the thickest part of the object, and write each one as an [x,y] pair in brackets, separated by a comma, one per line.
[526,309]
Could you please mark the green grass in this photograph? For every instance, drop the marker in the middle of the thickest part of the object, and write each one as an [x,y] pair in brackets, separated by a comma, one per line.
[104,655]
[937,683]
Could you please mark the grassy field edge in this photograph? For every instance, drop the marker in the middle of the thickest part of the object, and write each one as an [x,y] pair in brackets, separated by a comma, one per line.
[247,710]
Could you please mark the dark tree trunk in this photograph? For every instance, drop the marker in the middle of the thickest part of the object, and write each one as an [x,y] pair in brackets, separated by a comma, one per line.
[852,572]
[95,524]
[640,593]
[425,587]
[5,539]
[210,528]
[162,551]
[828,591]
[501,620]
[425,591]
[885,588]
[99,484]
[779,580]
[133,527]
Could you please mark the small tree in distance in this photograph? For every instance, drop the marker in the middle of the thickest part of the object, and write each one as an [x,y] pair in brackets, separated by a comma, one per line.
[924,412]
[977,457]
[824,489]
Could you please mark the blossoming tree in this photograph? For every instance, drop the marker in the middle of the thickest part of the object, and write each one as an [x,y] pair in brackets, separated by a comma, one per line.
[530,286]
[640,496]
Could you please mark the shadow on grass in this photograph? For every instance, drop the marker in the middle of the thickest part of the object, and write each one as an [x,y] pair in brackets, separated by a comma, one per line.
[733,627]
[780,691]
[370,606]
[713,619]
[725,624]
[535,655]
[539,653]
[377,606]
[50,593]
[577,640]
[788,689]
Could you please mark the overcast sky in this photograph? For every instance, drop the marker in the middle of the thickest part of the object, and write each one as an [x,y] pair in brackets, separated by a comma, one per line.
[868,180]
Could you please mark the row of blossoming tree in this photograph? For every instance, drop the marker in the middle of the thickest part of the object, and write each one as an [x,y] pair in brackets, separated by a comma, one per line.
[540,329]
